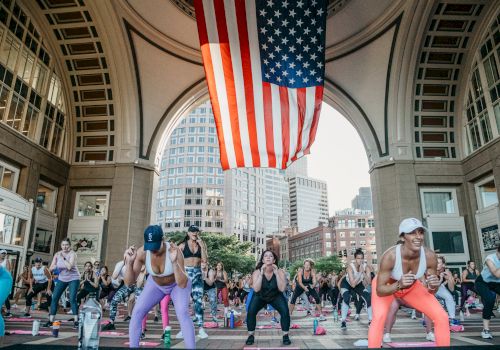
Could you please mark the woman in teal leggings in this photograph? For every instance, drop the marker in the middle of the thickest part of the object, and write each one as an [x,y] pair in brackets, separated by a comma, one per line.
[5,287]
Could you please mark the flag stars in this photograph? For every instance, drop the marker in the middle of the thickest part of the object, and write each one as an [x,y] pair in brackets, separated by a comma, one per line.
[266,61]
[313,72]
[305,80]
[285,73]
[270,3]
[299,73]
[292,49]
[284,4]
[270,39]
[277,49]
[292,13]
[270,21]
[264,46]
[306,48]
[313,57]
[306,65]
[320,12]
[300,23]
[299,57]
[300,3]
[314,39]
[263,30]
[307,31]
[278,65]
[291,81]
[284,23]
[319,65]
[320,48]
[284,41]
[267,75]
[278,79]
[284,57]
[314,3]
[277,13]
[307,12]
[299,40]
[320,30]
[263,13]
[318,79]
[291,65]
[277,32]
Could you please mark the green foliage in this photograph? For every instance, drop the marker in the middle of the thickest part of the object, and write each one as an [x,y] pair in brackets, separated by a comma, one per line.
[235,255]
[325,264]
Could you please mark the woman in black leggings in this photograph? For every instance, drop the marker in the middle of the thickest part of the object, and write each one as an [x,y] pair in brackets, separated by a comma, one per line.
[306,280]
[269,283]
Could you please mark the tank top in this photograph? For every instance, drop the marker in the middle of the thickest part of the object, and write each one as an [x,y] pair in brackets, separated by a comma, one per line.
[188,253]
[66,275]
[102,285]
[269,289]
[167,270]
[357,274]
[486,273]
[471,275]
[397,271]
[39,274]
[307,281]
[206,286]
[4,263]
[220,284]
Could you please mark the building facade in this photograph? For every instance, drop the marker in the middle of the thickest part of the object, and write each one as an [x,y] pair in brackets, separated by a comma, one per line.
[353,229]
[308,202]
[314,243]
[363,199]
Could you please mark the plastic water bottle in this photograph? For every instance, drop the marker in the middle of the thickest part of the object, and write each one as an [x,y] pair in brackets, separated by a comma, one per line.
[88,331]
[231,319]
[36,327]
[32,306]
[167,333]
[315,325]
[335,315]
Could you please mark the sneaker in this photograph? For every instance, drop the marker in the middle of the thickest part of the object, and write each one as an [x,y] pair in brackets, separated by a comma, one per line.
[356,317]
[156,319]
[286,340]
[8,314]
[27,315]
[179,335]
[108,327]
[75,325]
[69,312]
[485,334]
[143,335]
[308,313]
[454,322]
[343,326]
[126,319]
[322,318]
[47,324]
[413,315]
[251,340]
[274,320]
[202,334]
[430,336]
[387,338]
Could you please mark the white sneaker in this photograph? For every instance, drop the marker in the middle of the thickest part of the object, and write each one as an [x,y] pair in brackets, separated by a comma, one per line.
[179,335]
[356,317]
[485,334]
[413,315]
[322,318]
[202,334]
[430,336]
[387,338]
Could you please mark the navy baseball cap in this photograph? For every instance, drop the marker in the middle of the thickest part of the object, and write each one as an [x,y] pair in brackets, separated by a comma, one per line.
[38,259]
[153,236]
[193,228]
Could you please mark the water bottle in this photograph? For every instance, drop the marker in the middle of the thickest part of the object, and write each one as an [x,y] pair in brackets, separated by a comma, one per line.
[36,327]
[88,330]
[32,306]
[231,319]
[315,325]
[166,336]
[335,314]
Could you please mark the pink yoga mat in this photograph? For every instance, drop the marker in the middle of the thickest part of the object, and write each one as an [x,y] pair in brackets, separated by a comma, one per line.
[26,319]
[145,343]
[20,331]
[111,333]
[412,344]
[269,326]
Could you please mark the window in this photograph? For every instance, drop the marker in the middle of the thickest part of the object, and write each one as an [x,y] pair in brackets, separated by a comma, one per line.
[438,201]
[448,242]
[486,193]
[46,196]
[92,204]
[12,230]
[43,241]
[8,176]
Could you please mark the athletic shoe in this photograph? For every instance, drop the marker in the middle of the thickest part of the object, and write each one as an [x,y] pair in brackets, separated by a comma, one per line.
[156,319]
[27,315]
[485,334]
[430,336]
[387,338]
[286,340]
[108,327]
[126,319]
[454,322]
[202,334]
[413,315]
[356,317]
[75,325]
[179,335]
[308,313]
[47,324]
[143,335]
[322,318]
[8,314]
[251,340]
[343,326]
[69,312]
[274,320]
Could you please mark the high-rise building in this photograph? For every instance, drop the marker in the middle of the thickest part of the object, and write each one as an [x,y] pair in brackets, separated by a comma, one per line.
[191,190]
[313,243]
[308,202]
[363,199]
[299,167]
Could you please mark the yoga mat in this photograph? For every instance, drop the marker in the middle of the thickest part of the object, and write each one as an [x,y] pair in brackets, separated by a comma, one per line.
[295,326]
[457,328]
[412,344]
[273,348]
[20,331]
[111,333]
[145,343]
[269,326]
[26,319]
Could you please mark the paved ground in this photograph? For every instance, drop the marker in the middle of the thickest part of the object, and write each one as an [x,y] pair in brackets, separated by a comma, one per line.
[405,330]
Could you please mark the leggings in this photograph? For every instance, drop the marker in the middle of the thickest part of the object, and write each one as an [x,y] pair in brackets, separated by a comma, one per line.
[488,292]
[224,293]
[444,294]
[152,295]
[194,274]
[212,299]
[278,303]
[37,288]
[333,294]
[164,310]
[59,290]
[309,292]
[121,295]
[347,292]
[465,288]
[6,283]
[416,297]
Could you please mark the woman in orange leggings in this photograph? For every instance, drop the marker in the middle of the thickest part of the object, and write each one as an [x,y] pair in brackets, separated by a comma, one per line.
[396,279]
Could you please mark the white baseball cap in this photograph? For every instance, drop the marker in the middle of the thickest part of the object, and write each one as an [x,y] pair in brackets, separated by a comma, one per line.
[3,251]
[410,224]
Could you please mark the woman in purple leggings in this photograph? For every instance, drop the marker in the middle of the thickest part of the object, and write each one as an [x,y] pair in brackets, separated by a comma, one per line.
[165,265]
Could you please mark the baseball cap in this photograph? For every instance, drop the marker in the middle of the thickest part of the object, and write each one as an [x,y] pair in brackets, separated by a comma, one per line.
[3,251]
[410,224]
[38,259]
[153,236]
[193,228]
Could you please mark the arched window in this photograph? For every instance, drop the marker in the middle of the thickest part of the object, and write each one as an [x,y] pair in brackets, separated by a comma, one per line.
[31,98]
[482,100]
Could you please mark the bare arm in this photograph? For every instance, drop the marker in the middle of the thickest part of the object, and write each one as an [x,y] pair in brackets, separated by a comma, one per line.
[133,262]
[210,279]
[351,281]
[299,279]
[281,279]
[384,285]
[204,254]
[494,269]
[315,280]
[177,260]
[257,280]
[106,280]
[53,264]
[49,278]
[431,272]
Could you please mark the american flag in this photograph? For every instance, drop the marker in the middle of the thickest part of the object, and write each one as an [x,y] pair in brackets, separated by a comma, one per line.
[264,63]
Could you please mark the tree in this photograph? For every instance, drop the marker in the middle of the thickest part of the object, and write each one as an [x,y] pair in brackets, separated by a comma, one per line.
[328,264]
[235,255]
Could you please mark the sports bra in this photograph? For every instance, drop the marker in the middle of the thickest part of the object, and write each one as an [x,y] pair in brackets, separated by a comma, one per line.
[188,253]
[355,272]
[167,270]
[397,271]
[308,280]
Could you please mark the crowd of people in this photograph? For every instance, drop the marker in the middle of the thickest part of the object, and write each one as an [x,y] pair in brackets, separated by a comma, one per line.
[160,273]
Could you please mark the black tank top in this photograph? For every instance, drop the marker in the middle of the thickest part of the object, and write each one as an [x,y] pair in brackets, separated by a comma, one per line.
[269,290]
[189,254]
[471,275]
[206,286]
[218,283]
[307,281]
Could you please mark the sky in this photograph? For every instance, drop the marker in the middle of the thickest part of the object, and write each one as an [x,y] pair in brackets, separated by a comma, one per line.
[339,158]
